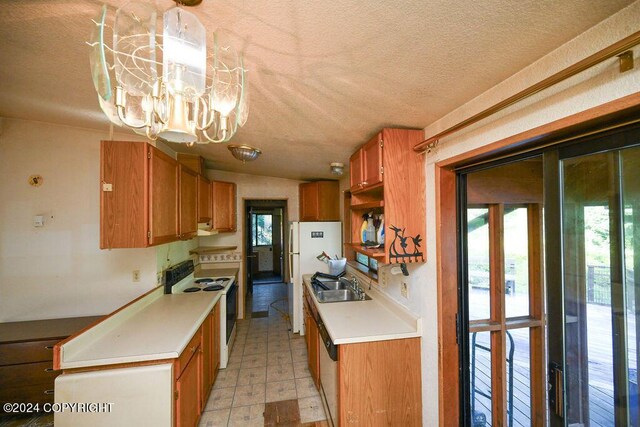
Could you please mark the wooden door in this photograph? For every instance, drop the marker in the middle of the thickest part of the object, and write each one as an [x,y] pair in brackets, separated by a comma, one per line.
[313,349]
[204,199]
[372,162]
[223,205]
[123,194]
[309,202]
[188,401]
[188,203]
[277,241]
[163,197]
[355,171]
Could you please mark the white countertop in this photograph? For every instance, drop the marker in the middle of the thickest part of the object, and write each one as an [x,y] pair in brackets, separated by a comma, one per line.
[156,327]
[378,319]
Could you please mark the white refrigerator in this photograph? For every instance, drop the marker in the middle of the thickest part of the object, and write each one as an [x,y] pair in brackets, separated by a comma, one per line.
[307,240]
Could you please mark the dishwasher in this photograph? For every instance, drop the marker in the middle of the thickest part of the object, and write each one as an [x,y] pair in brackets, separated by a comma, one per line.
[329,374]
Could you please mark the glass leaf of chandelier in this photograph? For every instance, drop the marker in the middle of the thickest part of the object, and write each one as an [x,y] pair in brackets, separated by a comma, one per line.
[190,95]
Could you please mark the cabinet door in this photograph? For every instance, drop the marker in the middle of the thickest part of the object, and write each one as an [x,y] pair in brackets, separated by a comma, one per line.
[163,197]
[372,162]
[124,198]
[314,363]
[223,205]
[204,199]
[205,360]
[355,170]
[309,209]
[188,203]
[188,402]
[328,201]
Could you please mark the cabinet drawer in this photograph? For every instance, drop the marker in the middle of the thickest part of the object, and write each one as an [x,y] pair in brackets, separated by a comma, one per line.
[26,352]
[39,393]
[27,374]
[186,355]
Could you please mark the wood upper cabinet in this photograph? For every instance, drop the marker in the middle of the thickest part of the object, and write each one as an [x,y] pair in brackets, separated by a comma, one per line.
[204,199]
[163,197]
[124,195]
[393,184]
[365,165]
[355,170]
[188,203]
[223,200]
[319,201]
[146,197]
[372,171]
[192,161]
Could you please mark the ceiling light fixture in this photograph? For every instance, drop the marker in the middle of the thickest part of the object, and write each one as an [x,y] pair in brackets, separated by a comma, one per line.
[168,85]
[244,153]
[337,168]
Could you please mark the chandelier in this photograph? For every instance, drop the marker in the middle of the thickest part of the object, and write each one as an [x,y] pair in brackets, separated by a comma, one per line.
[168,85]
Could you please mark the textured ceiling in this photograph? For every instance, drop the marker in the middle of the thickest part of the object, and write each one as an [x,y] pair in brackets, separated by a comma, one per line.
[324,76]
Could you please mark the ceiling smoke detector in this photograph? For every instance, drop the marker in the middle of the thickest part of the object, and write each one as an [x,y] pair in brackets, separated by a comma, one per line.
[337,168]
[244,153]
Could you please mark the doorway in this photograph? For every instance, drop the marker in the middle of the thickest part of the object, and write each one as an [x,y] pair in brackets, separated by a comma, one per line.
[549,260]
[264,252]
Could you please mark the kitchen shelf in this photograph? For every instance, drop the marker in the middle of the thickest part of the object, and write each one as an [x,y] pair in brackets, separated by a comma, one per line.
[368,205]
[370,252]
[211,249]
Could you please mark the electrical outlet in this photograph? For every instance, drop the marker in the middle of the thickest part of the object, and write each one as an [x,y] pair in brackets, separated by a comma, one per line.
[136,275]
[404,289]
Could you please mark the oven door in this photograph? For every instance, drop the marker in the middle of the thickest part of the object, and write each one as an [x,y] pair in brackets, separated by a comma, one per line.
[232,309]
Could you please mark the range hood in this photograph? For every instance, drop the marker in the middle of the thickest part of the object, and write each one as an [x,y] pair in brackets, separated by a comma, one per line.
[204,229]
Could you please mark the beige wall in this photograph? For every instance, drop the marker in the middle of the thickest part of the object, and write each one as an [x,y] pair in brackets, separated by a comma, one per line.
[58,270]
[253,187]
[602,84]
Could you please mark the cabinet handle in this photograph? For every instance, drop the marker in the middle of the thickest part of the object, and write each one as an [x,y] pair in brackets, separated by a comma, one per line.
[364,183]
[48,347]
[48,392]
[194,348]
[49,369]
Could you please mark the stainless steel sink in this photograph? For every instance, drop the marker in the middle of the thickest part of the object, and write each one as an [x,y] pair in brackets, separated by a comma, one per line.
[338,295]
[334,284]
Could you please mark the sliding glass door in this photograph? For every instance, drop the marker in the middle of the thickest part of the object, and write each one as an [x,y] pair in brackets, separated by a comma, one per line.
[597,365]
[550,286]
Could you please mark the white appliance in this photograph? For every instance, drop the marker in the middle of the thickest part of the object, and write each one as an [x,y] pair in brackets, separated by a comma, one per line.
[201,286]
[307,240]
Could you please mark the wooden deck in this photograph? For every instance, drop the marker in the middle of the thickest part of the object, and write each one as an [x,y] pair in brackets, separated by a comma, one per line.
[600,364]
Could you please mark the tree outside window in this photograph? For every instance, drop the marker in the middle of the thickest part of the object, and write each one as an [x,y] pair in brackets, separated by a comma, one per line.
[262,230]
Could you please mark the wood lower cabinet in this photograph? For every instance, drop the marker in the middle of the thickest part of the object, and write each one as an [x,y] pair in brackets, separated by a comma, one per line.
[187,388]
[26,358]
[210,350]
[196,370]
[188,203]
[377,383]
[380,383]
[223,206]
[312,338]
[320,201]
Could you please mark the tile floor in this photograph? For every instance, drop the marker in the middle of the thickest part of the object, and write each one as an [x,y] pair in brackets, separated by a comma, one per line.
[267,364]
